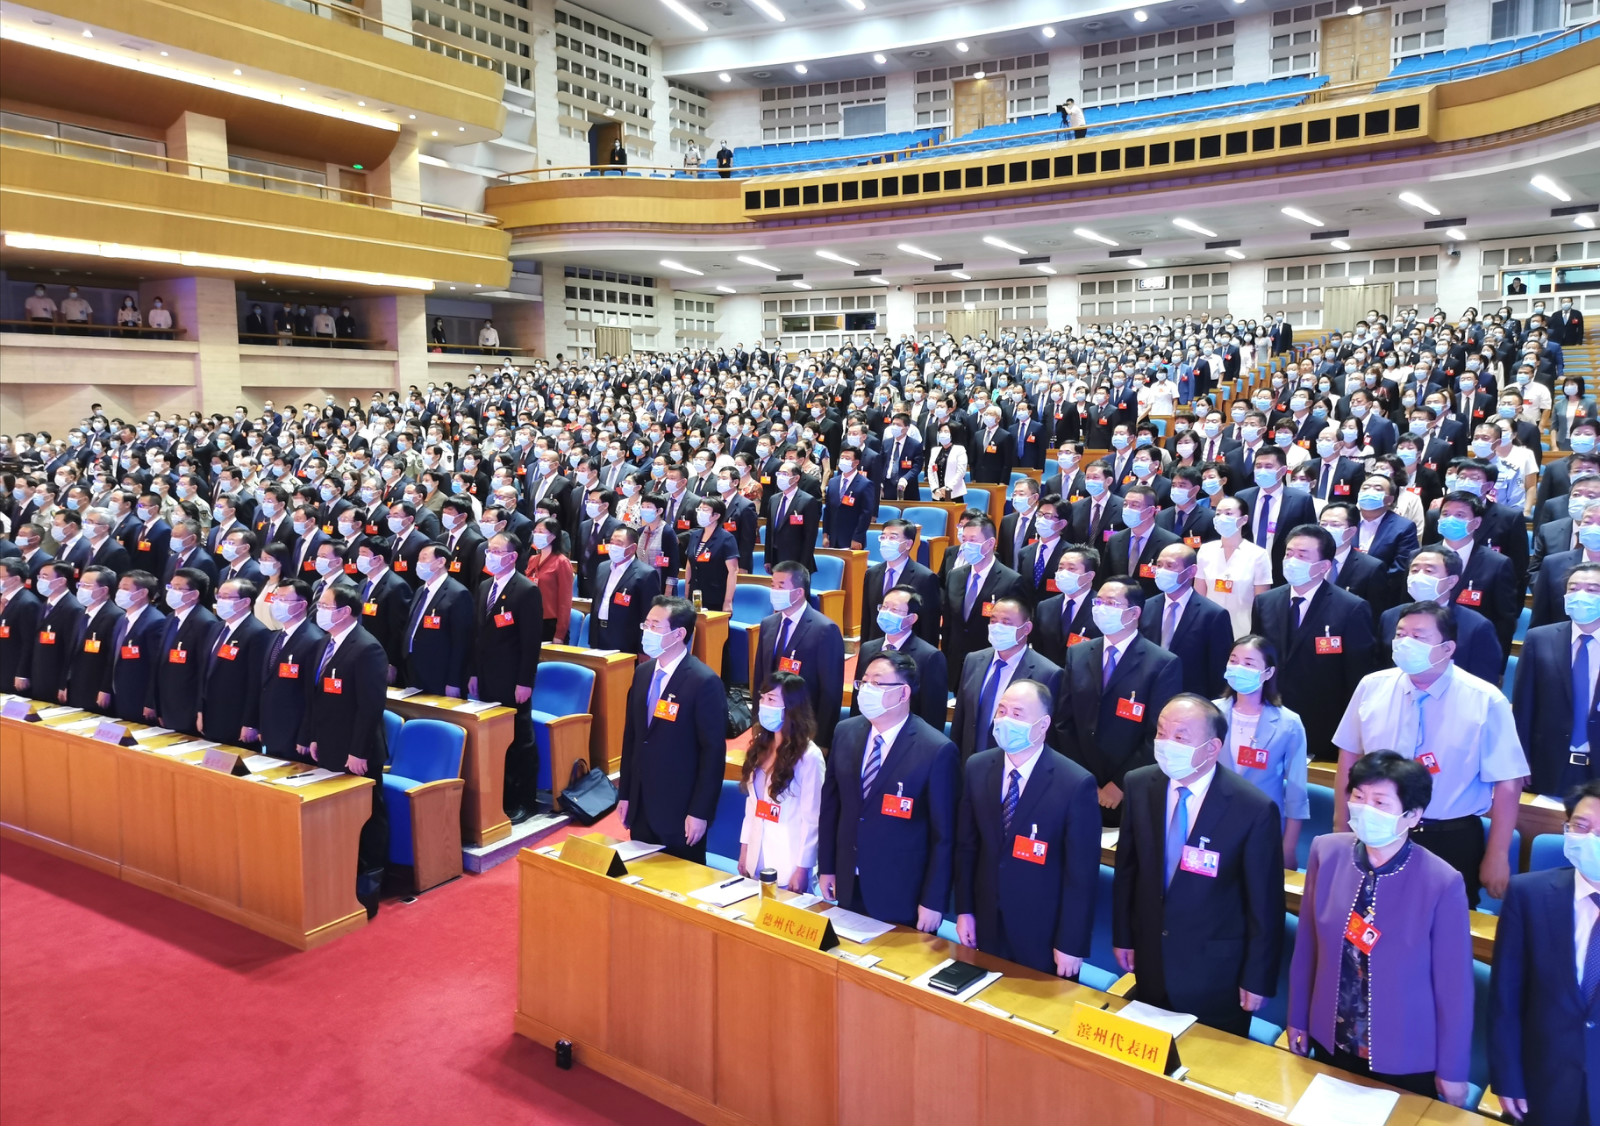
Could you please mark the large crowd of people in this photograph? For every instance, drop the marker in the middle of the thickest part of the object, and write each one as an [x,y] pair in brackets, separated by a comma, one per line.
[1157,637]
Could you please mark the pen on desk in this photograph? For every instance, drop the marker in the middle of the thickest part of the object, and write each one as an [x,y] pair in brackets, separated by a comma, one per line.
[730,883]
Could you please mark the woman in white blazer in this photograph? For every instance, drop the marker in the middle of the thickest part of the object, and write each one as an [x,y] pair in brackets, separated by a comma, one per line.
[947,465]
[782,781]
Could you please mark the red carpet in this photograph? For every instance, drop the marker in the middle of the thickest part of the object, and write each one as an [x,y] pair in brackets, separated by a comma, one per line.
[118,1005]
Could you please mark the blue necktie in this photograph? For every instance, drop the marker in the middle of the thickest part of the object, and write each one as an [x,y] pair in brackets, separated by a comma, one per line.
[172,633]
[870,768]
[1177,833]
[1008,808]
[1580,694]
[1591,956]
[657,683]
[783,640]
[1040,559]
[991,687]
[973,583]
[327,655]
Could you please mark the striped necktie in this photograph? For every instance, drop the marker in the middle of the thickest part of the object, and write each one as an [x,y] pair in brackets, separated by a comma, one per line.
[874,763]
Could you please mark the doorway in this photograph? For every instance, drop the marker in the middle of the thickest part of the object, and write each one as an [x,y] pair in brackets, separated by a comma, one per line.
[1357,48]
[979,102]
[602,136]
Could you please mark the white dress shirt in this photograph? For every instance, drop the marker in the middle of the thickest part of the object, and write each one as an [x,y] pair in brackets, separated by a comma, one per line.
[613,580]
[1024,768]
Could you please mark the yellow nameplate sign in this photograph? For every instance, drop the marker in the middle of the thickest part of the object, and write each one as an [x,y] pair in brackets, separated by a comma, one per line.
[808,928]
[1107,1034]
[593,856]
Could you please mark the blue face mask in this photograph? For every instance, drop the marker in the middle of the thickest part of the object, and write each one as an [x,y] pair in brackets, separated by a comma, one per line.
[1589,537]
[1226,525]
[972,554]
[1266,478]
[1211,486]
[1370,502]
[1297,572]
[1095,487]
[1408,457]
[1453,527]
[1119,441]
[1582,443]
[1319,412]
[1243,678]
[890,622]
[771,717]
[1582,606]
[1012,735]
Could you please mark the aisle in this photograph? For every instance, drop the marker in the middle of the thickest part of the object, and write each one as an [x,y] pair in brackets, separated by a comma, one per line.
[118,1005]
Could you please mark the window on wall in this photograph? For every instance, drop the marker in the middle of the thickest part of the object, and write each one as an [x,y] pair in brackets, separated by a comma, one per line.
[1021,306]
[1510,18]
[1027,79]
[823,320]
[1296,285]
[492,35]
[815,110]
[1418,30]
[689,113]
[1164,62]
[1148,292]
[1295,32]
[604,69]
[612,299]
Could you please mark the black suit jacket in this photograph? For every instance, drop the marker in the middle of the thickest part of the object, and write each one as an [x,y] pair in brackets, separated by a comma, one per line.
[933,678]
[1046,586]
[1194,527]
[1318,686]
[200,560]
[1541,701]
[1292,508]
[1114,557]
[148,549]
[672,765]
[230,693]
[1367,579]
[920,579]
[386,612]
[817,645]
[791,540]
[53,647]
[135,648]
[404,562]
[589,543]
[344,705]
[1201,940]
[1047,904]
[969,723]
[285,678]
[965,633]
[1504,529]
[1051,635]
[439,651]
[897,862]
[629,604]
[1084,528]
[1477,649]
[507,639]
[1489,587]
[1090,731]
[1202,641]
[1550,587]
[89,669]
[175,683]
[466,568]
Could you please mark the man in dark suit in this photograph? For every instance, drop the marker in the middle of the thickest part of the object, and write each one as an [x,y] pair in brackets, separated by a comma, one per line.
[505,660]
[1132,552]
[136,644]
[150,541]
[741,519]
[1188,517]
[55,636]
[1553,699]
[972,588]
[437,642]
[1113,686]
[287,670]
[385,602]
[405,542]
[1066,619]
[105,550]
[1488,580]
[594,537]
[1544,1015]
[70,543]
[174,694]
[1504,527]
[673,737]
[900,614]
[1382,533]
[987,672]
[1027,843]
[230,686]
[1324,636]
[1019,527]
[1197,898]
[187,552]
[1566,324]
[897,543]
[792,517]
[897,471]
[1335,476]
[342,728]
[307,539]
[799,639]
[1354,570]
[1275,508]
[1435,576]
[237,552]
[849,504]
[1193,629]
[994,450]
[463,541]
[1097,516]
[624,590]
[19,620]
[886,837]
[88,683]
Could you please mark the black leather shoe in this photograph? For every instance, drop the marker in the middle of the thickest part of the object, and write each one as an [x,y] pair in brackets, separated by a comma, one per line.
[519,814]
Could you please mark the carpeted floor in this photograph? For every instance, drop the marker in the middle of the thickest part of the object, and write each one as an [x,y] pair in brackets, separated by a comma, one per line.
[118,1005]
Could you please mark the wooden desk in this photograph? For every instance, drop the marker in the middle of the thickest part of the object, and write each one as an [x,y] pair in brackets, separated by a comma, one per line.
[613,676]
[855,577]
[711,637]
[278,860]
[669,998]
[483,761]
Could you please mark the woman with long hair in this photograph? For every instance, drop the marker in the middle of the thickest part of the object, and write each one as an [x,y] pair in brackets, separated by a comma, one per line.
[782,781]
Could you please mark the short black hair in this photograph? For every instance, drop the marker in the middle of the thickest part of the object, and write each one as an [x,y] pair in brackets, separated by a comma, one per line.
[793,567]
[680,614]
[1411,779]
[1325,545]
[904,666]
[1443,616]
[913,599]
[1589,789]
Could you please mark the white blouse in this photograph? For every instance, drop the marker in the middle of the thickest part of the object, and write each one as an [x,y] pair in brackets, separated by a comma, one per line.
[1238,575]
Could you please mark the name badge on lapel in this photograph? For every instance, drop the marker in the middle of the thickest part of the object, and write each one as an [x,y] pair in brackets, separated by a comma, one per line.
[1361,934]
[1129,708]
[1030,848]
[1199,860]
[333,685]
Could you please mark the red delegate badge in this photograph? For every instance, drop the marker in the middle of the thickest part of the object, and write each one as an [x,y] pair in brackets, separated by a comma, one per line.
[1361,934]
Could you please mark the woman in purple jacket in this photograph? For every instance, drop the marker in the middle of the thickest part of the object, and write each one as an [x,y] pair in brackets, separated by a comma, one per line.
[1381,982]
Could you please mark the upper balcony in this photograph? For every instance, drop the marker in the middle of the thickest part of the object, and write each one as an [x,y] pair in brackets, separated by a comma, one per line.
[248,59]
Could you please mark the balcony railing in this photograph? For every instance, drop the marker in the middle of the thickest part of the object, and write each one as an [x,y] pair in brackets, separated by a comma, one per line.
[354,17]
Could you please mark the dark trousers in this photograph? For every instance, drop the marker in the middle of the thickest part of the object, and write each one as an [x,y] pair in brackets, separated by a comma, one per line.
[549,630]
[639,829]
[522,760]
[1418,1082]
[373,852]
[1080,134]
[1459,842]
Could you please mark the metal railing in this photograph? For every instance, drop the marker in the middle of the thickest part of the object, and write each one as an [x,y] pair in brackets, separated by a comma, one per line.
[78,328]
[352,16]
[85,150]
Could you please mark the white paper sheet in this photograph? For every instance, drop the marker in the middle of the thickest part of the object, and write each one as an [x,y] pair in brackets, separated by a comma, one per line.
[856,928]
[474,707]
[632,850]
[257,763]
[805,901]
[402,693]
[58,710]
[727,892]
[966,994]
[317,774]
[1543,802]
[1108,838]
[151,733]
[185,747]
[81,726]
[1164,1019]
[1334,1102]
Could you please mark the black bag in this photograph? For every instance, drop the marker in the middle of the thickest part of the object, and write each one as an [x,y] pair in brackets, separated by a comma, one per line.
[589,795]
[739,714]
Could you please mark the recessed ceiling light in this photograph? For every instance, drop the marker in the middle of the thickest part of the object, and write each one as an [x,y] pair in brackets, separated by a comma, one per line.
[768,9]
[1085,232]
[358,103]
[1235,253]
[671,264]
[726,289]
[960,275]
[878,279]
[1002,244]
[1296,213]
[1455,233]
[1339,244]
[800,68]
[239,73]
[725,77]
[436,132]
[413,117]
[1549,187]
[87,34]
[686,15]
[461,128]
[1140,14]
[800,285]
[907,248]
[1045,269]
[164,55]
[832,257]
[979,74]
[1048,32]
[757,263]
[1353,10]
[1191,225]
[452,288]
[1418,202]
[858,5]
[962,47]
[1586,221]
[1138,263]
[880,59]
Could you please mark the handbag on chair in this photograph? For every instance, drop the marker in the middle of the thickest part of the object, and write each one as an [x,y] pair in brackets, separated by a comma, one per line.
[589,795]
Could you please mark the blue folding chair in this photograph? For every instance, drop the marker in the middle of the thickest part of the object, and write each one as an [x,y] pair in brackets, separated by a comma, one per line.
[1546,852]
[425,768]
[722,835]
[391,730]
[751,603]
[560,709]
[829,574]
[578,629]
[932,521]
[1320,821]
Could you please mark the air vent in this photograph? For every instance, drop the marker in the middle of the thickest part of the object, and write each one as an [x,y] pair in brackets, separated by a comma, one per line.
[949,265]
[790,277]
[1224,243]
[1441,224]
[1315,235]
[1036,260]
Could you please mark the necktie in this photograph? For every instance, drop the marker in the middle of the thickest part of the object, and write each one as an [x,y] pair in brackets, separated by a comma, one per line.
[77,634]
[1422,700]
[1177,833]
[172,632]
[1322,482]
[1041,557]
[327,655]
[1262,533]
[973,583]
[1297,605]
[657,683]
[986,698]
[1249,460]
[783,641]
[117,637]
[1580,692]
[1008,808]
[870,768]
[1591,957]
[1021,542]
[416,617]
[1169,624]
[1110,667]
[1022,438]
[783,504]
[277,648]
[1069,614]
